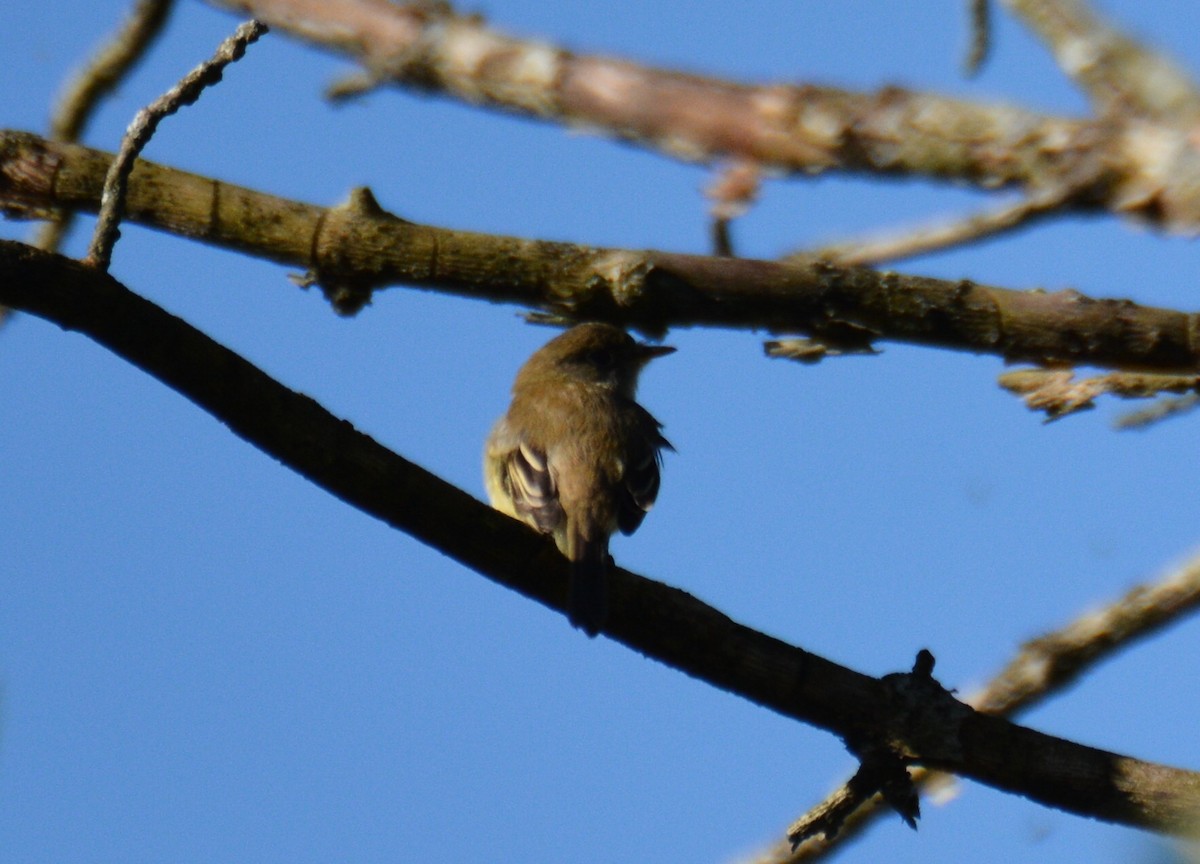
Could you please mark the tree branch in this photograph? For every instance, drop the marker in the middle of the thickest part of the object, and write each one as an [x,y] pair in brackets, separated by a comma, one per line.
[357,248]
[919,723]
[1147,169]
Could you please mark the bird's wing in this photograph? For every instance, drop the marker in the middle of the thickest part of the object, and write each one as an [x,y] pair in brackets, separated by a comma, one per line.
[639,485]
[523,474]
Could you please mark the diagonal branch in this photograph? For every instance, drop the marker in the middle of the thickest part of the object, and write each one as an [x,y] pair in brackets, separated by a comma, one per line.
[111,63]
[920,240]
[1120,75]
[924,726]
[1055,661]
[1041,668]
[357,248]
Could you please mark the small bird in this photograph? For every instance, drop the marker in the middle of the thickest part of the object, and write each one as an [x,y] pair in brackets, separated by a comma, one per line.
[576,457]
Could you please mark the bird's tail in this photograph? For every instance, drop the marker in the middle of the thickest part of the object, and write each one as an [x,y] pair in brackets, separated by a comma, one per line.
[587,602]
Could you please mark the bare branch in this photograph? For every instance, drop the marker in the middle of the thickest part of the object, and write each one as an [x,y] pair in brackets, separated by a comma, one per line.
[1055,661]
[357,248]
[913,716]
[186,92]
[1121,76]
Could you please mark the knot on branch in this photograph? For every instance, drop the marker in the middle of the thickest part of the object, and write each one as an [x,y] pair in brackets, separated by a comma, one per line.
[347,251]
[620,276]
[616,285]
[918,721]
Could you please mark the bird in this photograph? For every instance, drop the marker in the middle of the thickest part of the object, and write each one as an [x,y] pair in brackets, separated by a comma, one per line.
[575,456]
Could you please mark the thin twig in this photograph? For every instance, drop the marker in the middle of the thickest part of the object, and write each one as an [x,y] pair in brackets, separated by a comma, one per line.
[1042,667]
[1163,409]
[732,192]
[119,53]
[931,238]
[75,107]
[186,92]
[722,238]
[981,36]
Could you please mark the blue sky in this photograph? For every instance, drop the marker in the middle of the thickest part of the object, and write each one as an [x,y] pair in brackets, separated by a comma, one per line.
[203,657]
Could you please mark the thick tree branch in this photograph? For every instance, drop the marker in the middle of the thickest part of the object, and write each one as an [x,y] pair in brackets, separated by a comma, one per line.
[1137,167]
[918,723]
[356,248]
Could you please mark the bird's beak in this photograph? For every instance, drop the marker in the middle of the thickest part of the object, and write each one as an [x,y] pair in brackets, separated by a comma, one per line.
[646,353]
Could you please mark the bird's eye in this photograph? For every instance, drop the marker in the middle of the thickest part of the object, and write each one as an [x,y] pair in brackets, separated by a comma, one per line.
[602,358]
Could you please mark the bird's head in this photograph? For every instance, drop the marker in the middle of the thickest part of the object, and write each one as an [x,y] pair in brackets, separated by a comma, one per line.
[597,354]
